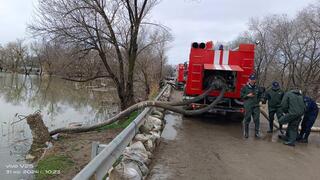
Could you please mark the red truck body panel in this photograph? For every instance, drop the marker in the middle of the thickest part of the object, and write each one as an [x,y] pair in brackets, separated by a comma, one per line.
[240,61]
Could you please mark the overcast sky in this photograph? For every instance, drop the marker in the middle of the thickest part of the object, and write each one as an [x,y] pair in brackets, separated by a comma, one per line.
[189,20]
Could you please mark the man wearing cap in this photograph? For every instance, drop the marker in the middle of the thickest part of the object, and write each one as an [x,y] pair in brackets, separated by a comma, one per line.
[309,117]
[251,96]
[293,106]
[274,97]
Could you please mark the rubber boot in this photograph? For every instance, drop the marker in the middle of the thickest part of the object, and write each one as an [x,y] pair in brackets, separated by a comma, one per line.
[257,134]
[289,143]
[303,138]
[270,127]
[246,130]
[299,137]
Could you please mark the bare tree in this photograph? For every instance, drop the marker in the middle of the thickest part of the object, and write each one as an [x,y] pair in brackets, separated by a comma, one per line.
[288,49]
[151,61]
[14,56]
[37,49]
[112,28]
[308,68]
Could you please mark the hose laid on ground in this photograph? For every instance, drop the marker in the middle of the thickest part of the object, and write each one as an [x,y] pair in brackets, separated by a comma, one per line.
[276,124]
[144,104]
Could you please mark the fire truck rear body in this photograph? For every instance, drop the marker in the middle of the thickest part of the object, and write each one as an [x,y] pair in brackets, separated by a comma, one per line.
[206,64]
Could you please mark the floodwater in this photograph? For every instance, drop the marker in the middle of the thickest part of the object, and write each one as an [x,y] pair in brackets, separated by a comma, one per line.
[172,122]
[61,103]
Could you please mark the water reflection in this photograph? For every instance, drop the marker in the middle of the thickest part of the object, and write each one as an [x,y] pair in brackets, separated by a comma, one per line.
[61,102]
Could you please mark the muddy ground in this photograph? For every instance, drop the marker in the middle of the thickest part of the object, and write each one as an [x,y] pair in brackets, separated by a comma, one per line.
[208,148]
[77,147]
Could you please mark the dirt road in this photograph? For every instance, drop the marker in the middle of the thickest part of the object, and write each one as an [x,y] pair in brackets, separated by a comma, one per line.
[213,148]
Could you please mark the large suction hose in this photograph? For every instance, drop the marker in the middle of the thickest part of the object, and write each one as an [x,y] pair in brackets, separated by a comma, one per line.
[215,85]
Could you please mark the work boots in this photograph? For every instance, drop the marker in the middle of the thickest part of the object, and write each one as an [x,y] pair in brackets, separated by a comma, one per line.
[289,143]
[257,134]
[246,130]
[257,131]
[303,138]
[270,127]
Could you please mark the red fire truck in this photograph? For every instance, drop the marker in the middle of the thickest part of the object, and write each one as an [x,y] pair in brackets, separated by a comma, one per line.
[180,81]
[207,64]
[180,73]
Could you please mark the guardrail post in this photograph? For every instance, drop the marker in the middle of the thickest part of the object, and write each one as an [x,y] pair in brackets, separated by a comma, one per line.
[94,149]
[101,147]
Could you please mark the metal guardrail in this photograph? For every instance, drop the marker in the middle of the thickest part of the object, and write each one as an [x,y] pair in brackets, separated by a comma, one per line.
[101,163]
[96,148]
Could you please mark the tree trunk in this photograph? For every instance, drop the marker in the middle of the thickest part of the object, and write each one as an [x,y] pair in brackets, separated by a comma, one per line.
[122,98]
[146,84]
[132,54]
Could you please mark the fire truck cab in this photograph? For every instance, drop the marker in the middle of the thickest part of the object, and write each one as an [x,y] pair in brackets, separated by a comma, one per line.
[207,64]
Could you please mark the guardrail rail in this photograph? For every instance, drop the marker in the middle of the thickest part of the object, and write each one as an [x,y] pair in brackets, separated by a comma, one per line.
[102,162]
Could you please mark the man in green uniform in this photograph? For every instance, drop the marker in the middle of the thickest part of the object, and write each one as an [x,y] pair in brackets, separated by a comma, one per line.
[251,96]
[274,97]
[293,105]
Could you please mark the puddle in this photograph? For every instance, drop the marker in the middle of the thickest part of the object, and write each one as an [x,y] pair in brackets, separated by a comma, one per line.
[173,121]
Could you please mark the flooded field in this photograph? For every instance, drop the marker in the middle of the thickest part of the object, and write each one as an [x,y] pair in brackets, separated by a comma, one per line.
[61,103]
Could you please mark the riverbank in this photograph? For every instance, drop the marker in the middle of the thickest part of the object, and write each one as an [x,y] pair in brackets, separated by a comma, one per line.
[71,152]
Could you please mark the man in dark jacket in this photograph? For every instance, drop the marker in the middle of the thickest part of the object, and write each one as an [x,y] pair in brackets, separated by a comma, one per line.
[309,118]
[293,106]
[274,97]
[251,96]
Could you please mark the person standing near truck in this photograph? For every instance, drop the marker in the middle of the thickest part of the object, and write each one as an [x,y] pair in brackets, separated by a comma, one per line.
[309,117]
[274,97]
[293,106]
[251,96]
